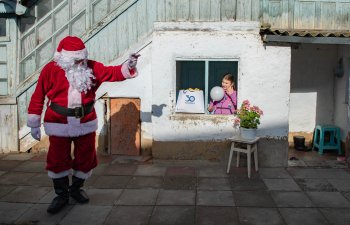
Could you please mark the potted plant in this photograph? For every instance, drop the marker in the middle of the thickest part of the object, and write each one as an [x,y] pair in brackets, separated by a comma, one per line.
[248,119]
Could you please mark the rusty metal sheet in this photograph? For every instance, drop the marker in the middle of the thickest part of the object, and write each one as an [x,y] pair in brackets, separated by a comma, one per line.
[125,126]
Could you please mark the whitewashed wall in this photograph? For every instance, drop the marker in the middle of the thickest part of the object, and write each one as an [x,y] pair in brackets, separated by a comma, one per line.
[263,77]
[139,87]
[340,93]
[312,86]
[8,131]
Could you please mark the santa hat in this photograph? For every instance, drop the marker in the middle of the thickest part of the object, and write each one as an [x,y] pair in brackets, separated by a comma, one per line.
[71,47]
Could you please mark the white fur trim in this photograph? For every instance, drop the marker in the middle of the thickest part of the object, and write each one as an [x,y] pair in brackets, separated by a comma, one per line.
[126,71]
[54,175]
[34,120]
[73,129]
[74,100]
[74,97]
[81,174]
[79,54]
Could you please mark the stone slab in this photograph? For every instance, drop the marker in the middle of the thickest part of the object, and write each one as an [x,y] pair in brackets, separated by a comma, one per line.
[291,199]
[111,182]
[138,197]
[37,215]
[337,216]
[281,185]
[328,199]
[174,215]
[259,216]
[87,215]
[216,215]
[10,212]
[297,216]
[280,172]
[177,183]
[150,170]
[176,197]
[245,184]
[122,215]
[253,198]
[311,185]
[103,196]
[145,182]
[215,198]
[214,184]
[26,194]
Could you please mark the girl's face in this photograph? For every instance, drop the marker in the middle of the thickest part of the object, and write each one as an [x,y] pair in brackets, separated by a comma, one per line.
[226,84]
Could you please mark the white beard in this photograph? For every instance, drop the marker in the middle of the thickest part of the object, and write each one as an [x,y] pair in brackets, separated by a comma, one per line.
[79,76]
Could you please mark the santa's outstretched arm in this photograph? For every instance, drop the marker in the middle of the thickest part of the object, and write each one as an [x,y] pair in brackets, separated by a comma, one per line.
[121,72]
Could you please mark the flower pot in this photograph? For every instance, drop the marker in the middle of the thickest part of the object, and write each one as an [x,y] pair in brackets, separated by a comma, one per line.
[247,133]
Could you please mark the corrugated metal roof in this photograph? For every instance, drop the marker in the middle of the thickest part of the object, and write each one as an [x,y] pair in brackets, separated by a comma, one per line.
[305,33]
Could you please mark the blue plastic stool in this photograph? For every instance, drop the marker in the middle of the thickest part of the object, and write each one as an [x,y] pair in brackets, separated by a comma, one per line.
[334,138]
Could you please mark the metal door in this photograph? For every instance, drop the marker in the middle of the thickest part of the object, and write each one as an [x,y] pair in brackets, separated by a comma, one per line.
[125,126]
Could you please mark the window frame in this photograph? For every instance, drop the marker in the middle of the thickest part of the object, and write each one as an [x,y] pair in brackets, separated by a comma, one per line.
[50,38]
[206,75]
[6,38]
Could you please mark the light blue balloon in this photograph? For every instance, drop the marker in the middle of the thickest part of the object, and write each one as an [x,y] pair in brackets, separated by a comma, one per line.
[217,93]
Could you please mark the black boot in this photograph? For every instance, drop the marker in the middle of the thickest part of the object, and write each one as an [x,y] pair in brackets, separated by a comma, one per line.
[61,189]
[75,192]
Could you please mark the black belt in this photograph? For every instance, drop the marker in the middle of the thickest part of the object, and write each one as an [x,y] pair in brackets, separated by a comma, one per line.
[77,112]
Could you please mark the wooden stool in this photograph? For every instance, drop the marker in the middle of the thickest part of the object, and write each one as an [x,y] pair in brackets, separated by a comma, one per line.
[252,146]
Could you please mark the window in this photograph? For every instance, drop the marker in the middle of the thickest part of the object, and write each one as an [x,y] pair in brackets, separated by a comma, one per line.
[3,70]
[347,75]
[47,23]
[3,27]
[204,74]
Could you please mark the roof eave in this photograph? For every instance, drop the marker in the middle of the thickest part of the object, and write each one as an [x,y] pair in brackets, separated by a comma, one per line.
[8,7]
[309,40]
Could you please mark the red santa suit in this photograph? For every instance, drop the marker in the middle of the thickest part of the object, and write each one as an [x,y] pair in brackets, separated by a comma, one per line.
[62,130]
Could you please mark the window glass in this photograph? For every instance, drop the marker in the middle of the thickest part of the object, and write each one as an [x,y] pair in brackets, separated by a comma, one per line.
[43,7]
[77,6]
[44,30]
[217,69]
[28,43]
[347,77]
[45,53]
[100,10]
[29,3]
[27,21]
[78,25]
[2,27]
[61,17]
[27,67]
[57,2]
[116,3]
[191,74]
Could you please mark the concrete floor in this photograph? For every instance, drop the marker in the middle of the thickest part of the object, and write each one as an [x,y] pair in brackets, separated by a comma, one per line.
[311,158]
[133,191]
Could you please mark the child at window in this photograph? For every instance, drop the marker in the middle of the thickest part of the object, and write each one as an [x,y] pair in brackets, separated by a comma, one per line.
[228,104]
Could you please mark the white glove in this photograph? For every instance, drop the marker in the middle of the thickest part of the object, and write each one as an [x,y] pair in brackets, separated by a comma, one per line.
[133,60]
[36,133]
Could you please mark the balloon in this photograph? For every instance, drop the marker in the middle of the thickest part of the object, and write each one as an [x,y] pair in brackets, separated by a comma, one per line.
[217,93]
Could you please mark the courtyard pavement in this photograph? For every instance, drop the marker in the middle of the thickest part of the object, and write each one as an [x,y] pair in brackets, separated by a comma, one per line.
[125,191]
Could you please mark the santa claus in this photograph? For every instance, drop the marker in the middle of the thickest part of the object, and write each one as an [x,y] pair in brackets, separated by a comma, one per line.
[69,82]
